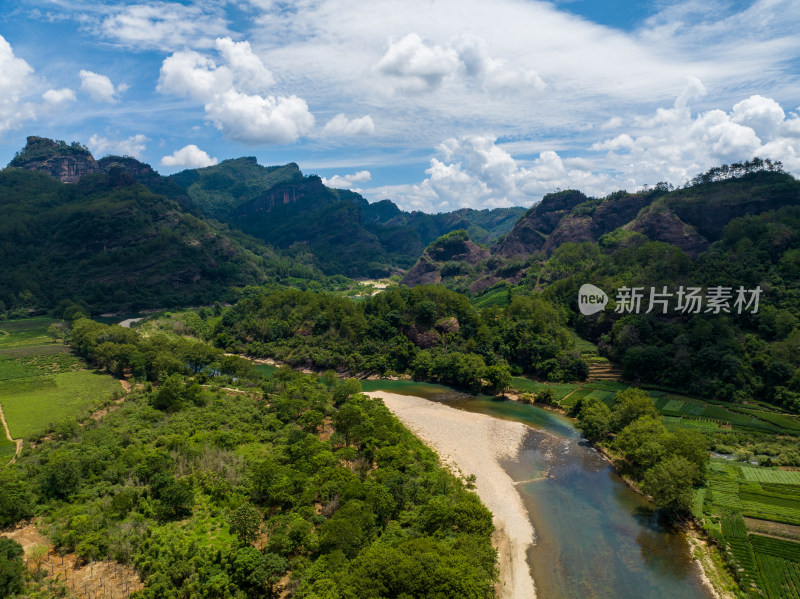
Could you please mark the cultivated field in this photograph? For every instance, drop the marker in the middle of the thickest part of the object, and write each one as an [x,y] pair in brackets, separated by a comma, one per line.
[41,382]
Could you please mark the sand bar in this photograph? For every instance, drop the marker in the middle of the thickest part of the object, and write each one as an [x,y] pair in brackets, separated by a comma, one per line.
[475,444]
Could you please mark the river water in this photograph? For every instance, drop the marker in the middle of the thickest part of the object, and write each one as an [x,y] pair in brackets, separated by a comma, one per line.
[596,538]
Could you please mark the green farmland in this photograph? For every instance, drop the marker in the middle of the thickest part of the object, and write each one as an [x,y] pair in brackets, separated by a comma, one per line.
[676,410]
[41,382]
[737,490]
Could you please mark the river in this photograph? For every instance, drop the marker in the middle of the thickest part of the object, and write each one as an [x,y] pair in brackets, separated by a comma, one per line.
[596,538]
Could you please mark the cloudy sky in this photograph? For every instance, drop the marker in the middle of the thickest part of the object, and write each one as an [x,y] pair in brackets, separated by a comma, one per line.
[435,104]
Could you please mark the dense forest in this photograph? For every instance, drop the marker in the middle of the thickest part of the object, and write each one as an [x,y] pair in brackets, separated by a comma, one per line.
[750,224]
[293,485]
[428,331]
[115,245]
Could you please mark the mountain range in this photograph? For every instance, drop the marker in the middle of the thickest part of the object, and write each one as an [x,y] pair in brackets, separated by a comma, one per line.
[116,234]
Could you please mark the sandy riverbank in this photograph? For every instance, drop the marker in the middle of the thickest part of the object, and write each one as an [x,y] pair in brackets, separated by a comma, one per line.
[474,444]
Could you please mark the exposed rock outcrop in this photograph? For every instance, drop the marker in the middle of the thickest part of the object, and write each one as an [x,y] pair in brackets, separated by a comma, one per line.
[572,229]
[664,225]
[67,163]
[531,231]
[455,247]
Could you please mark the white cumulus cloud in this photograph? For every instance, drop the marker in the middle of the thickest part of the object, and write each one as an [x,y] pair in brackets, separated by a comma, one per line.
[250,73]
[231,94]
[56,96]
[340,125]
[763,115]
[254,119]
[348,181]
[475,172]
[130,146]
[419,65]
[671,144]
[675,143]
[189,157]
[15,81]
[100,87]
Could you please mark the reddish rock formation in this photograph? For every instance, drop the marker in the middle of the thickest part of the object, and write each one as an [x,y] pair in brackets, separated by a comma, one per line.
[531,231]
[67,163]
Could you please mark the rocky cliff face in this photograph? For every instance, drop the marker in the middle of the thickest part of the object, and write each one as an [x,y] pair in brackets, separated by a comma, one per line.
[664,225]
[126,163]
[455,247]
[596,218]
[67,163]
[530,233]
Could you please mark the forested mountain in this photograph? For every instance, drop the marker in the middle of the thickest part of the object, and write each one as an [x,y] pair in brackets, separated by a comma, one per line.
[113,244]
[690,218]
[734,227]
[283,207]
[335,231]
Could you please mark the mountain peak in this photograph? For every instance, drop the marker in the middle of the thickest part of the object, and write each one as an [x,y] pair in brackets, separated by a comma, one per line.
[65,162]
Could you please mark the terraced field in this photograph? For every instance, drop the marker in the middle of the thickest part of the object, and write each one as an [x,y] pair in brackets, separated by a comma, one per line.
[762,562]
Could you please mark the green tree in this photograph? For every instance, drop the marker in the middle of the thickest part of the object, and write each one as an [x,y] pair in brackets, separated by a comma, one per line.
[176,499]
[630,405]
[12,567]
[61,476]
[348,530]
[330,378]
[169,395]
[693,446]
[245,523]
[257,573]
[547,396]
[595,421]
[344,390]
[642,443]
[16,499]
[499,376]
[669,483]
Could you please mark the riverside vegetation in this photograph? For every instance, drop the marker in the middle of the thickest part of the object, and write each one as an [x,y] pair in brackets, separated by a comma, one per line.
[208,493]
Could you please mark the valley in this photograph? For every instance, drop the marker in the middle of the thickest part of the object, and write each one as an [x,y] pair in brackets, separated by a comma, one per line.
[227,468]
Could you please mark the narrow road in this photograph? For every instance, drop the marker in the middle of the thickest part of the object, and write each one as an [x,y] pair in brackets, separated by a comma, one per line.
[8,435]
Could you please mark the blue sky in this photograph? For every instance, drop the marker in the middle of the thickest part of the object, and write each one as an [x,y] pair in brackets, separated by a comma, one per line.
[434,104]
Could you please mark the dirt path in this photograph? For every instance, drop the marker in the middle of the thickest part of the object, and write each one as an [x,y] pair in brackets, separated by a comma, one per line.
[18,442]
[97,415]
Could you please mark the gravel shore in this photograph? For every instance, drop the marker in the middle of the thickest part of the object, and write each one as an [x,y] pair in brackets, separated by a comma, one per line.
[475,444]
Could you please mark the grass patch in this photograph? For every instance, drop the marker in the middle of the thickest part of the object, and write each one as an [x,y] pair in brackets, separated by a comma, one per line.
[770,475]
[31,405]
[7,450]
[561,390]
[586,348]
[25,332]
[41,382]
[496,297]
